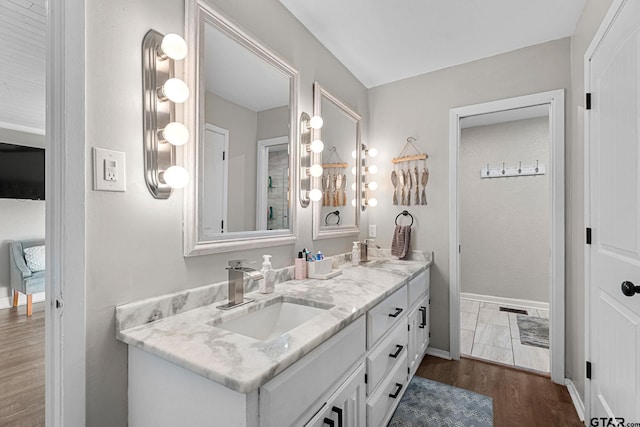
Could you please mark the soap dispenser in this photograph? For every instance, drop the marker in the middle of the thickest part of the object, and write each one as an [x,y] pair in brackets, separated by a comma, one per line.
[355,253]
[267,285]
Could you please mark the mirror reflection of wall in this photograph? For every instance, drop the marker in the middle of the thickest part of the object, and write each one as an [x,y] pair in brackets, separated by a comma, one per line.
[249,99]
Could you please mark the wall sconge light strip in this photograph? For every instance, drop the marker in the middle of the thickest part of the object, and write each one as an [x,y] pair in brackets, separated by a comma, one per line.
[162,133]
[368,186]
[308,148]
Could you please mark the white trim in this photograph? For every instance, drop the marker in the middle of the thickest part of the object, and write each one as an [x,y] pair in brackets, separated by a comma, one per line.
[65,348]
[506,301]
[7,302]
[436,352]
[262,176]
[607,21]
[575,398]
[555,101]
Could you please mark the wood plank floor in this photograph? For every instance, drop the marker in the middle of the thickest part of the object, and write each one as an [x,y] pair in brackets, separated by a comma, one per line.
[22,367]
[519,398]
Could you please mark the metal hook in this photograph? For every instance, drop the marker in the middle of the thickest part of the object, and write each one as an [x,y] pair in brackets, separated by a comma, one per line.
[503,171]
[520,167]
[537,169]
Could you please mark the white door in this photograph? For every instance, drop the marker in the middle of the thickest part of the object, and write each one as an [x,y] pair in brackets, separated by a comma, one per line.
[215,155]
[614,209]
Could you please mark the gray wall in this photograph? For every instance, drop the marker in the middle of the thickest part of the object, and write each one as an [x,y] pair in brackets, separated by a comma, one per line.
[504,222]
[419,107]
[133,241]
[273,123]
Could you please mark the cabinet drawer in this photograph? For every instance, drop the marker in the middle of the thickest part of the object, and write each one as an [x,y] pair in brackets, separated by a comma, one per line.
[418,286]
[386,355]
[381,405]
[384,315]
[290,395]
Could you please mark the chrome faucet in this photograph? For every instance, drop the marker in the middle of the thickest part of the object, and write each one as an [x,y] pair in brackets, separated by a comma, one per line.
[236,283]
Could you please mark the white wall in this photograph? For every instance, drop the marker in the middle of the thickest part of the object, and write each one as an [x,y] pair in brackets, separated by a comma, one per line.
[19,220]
[504,222]
[419,107]
[134,242]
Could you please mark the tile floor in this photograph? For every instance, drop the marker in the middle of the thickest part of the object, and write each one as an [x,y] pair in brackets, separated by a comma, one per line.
[491,334]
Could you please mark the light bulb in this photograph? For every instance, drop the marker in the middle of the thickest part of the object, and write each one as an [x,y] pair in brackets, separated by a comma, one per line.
[353,170]
[373,169]
[372,152]
[372,185]
[353,186]
[315,195]
[317,146]
[175,133]
[176,177]
[316,122]
[354,154]
[315,171]
[175,90]
[173,46]
[373,202]
[353,202]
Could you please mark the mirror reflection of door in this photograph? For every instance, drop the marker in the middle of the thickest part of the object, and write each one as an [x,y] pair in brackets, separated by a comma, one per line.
[273,184]
[214,179]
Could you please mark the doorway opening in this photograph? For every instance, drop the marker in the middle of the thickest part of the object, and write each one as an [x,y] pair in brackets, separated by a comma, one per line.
[507,232]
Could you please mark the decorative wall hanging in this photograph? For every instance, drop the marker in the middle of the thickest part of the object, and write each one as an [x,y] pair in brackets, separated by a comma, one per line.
[410,176]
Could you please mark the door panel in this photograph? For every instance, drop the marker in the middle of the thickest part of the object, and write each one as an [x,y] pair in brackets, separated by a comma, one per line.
[614,194]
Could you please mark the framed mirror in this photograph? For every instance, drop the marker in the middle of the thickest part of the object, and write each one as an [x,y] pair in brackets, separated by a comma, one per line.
[242,119]
[336,214]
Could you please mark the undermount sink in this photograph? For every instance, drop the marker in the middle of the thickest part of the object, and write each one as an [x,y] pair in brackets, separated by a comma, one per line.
[272,321]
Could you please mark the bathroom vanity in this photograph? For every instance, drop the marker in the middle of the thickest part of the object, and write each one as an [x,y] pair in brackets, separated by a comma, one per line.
[336,352]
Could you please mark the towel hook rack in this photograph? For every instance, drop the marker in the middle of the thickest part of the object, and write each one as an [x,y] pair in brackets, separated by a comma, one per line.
[326,218]
[404,213]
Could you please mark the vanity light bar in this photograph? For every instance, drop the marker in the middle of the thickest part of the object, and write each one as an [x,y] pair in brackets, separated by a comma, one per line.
[160,92]
[309,171]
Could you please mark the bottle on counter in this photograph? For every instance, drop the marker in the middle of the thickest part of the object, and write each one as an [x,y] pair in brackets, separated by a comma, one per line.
[300,267]
[355,253]
[268,284]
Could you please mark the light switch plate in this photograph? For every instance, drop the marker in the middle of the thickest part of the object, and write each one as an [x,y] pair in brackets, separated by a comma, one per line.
[108,170]
[372,230]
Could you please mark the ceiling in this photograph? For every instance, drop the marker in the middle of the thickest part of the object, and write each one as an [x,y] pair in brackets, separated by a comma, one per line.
[22,68]
[385,41]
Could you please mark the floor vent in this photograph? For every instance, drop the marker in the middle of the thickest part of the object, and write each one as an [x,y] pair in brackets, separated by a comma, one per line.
[514,310]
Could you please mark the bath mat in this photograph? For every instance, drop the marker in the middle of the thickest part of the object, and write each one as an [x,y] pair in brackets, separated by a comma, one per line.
[429,403]
[534,331]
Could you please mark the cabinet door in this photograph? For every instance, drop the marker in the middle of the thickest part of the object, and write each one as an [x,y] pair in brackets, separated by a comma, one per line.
[346,407]
[424,324]
[414,319]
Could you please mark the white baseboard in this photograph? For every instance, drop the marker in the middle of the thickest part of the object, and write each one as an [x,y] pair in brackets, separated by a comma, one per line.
[575,397]
[506,301]
[7,302]
[438,353]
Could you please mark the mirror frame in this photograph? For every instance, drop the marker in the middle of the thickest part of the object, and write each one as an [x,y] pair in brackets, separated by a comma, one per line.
[199,13]
[321,231]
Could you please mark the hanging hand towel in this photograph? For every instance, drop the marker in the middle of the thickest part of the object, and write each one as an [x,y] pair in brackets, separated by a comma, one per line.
[401,244]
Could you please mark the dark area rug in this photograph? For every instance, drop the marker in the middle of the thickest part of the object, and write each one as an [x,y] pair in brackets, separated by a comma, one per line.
[433,404]
[534,331]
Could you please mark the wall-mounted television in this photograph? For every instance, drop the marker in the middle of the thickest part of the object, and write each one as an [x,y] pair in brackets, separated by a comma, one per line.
[21,172]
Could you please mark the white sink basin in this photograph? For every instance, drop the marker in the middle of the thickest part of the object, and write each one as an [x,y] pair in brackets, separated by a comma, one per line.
[272,321]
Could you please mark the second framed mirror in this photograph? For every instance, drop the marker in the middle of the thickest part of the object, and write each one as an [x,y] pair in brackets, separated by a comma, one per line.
[336,214]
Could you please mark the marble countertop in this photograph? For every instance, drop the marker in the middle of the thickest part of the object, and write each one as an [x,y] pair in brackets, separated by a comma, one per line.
[191,340]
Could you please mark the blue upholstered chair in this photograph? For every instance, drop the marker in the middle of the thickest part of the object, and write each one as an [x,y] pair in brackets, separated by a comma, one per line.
[23,280]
